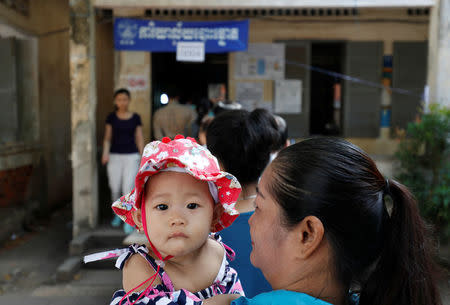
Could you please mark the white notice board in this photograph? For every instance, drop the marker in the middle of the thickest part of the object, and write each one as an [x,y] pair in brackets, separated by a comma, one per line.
[193,51]
[249,94]
[288,96]
[260,61]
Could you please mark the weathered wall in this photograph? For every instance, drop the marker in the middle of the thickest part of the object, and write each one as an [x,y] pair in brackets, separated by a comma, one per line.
[132,66]
[54,87]
[48,122]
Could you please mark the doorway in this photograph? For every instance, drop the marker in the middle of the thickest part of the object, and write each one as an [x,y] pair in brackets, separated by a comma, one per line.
[325,114]
[189,80]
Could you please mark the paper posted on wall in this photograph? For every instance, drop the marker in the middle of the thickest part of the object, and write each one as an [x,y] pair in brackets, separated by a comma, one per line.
[288,96]
[190,51]
[260,61]
[249,94]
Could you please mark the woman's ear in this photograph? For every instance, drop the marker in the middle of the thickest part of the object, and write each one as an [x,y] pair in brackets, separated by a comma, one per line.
[309,234]
[137,218]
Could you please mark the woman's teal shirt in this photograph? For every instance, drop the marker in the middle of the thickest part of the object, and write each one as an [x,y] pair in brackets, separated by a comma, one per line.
[280,297]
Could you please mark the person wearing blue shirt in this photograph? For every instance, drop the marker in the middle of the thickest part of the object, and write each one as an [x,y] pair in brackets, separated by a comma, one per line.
[322,233]
[242,142]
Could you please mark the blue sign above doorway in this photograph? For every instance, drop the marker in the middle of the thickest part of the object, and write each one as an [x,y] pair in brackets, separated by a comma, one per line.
[163,36]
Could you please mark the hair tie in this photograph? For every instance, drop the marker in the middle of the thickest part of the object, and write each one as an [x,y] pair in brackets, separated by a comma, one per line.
[387,188]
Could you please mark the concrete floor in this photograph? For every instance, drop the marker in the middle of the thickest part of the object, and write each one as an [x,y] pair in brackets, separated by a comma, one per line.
[28,268]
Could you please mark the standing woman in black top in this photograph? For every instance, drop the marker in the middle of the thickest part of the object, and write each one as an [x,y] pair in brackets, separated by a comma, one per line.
[122,147]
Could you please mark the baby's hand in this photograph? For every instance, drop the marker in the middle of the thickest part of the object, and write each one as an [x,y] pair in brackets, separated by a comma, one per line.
[222,299]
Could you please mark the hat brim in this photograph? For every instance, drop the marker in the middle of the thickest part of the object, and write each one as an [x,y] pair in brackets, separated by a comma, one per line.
[228,190]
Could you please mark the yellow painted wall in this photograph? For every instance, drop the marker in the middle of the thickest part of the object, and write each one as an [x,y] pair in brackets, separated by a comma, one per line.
[137,64]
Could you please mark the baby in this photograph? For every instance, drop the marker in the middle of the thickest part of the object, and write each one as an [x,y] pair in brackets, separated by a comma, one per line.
[180,196]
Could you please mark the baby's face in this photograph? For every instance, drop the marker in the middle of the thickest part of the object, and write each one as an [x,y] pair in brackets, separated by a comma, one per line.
[179,213]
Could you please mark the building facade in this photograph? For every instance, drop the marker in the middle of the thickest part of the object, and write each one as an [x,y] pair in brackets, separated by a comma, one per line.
[367,47]
[361,66]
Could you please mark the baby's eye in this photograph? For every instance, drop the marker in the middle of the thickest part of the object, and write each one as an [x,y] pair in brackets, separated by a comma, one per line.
[192,206]
[162,207]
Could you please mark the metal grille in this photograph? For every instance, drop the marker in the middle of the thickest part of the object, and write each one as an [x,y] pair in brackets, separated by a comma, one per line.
[269,12]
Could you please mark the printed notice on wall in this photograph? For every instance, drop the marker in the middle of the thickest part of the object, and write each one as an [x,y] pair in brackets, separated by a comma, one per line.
[249,94]
[137,82]
[288,96]
[191,51]
[260,61]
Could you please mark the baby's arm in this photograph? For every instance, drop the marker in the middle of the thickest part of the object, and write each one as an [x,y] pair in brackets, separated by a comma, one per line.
[135,272]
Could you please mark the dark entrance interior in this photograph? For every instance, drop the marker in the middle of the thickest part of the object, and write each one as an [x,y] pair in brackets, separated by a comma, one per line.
[328,56]
[189,80]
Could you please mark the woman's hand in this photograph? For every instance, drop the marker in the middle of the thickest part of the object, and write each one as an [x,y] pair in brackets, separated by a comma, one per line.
[106,143]
[222,299]
[105,159]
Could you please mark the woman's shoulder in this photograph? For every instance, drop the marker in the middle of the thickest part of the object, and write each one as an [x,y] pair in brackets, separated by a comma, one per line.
[111,117]
[136,116]
[279,297]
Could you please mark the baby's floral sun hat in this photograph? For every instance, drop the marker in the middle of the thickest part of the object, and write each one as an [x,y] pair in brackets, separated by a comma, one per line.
[187,156]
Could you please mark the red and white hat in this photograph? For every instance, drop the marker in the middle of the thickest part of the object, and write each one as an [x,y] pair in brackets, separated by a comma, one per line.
[187,156]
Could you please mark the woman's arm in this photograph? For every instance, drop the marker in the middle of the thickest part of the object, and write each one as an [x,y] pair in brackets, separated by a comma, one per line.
[139,139]
[106,143]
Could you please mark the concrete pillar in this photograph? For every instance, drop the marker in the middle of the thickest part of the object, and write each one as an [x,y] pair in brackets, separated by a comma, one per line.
[84,101]
[439,54]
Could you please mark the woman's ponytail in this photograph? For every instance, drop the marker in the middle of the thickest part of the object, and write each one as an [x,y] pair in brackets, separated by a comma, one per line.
[405,272]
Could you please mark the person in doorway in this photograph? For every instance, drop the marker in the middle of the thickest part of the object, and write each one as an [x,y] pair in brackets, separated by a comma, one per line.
[323,233]
[173,119]
[122,145]
[242,142]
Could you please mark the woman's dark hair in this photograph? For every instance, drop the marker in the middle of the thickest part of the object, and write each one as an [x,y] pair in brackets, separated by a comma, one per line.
[242,141]
[388,256]
[122,91]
